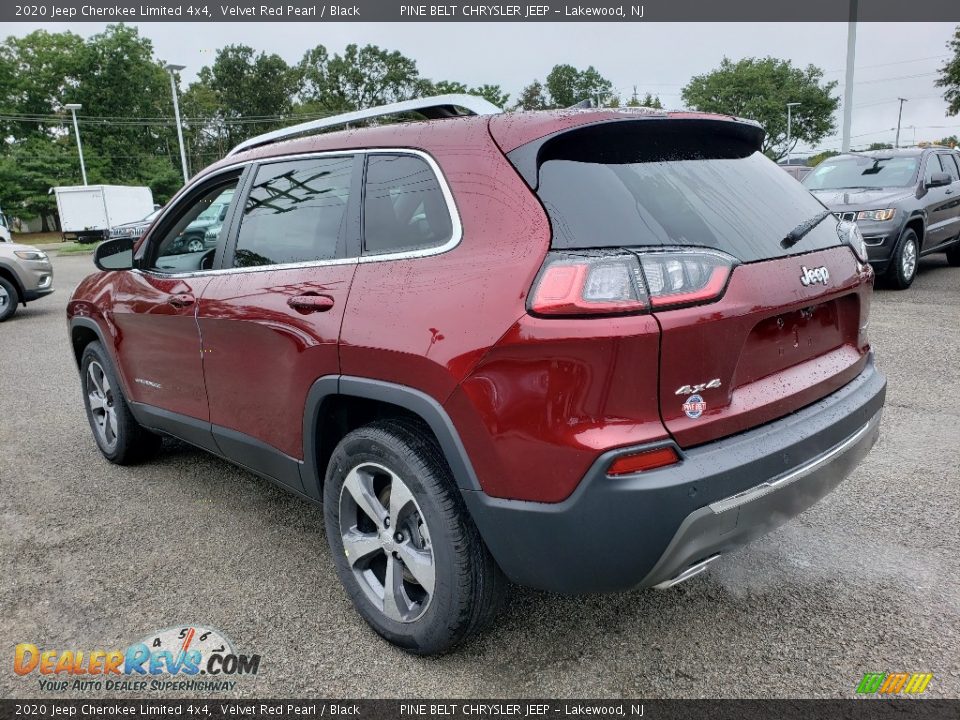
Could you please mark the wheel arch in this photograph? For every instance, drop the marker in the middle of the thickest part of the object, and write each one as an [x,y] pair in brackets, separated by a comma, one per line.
[336,404]
[918,225]
[7,273]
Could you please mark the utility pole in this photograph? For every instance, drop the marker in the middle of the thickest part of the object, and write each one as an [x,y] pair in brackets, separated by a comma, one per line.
[173,70]
[790,106]
[896,144]
[848,87]
[73,107]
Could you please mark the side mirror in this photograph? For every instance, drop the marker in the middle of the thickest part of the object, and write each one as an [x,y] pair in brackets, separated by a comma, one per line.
[939,179]
[114,254]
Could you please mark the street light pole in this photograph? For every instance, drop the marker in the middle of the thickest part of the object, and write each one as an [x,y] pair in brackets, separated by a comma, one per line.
[73,107]
[896,143]
[848,87]
[790,107]
[173,69]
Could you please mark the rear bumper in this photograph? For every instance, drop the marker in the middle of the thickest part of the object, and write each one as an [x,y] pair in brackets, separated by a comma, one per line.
[646,529]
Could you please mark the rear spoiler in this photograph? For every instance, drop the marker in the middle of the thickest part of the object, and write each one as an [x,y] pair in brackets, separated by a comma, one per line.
[645,139]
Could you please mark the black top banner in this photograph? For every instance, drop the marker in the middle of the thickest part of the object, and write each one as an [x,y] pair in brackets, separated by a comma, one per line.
[480,11]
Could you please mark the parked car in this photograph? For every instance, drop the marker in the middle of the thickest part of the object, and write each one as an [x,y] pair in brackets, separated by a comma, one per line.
[87,212]
[586,350]
[134,229]
[5,235]
[906,202]
[201,234]
[25,275]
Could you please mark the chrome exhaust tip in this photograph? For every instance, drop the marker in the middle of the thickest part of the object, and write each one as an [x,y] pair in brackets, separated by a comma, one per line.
[690,572]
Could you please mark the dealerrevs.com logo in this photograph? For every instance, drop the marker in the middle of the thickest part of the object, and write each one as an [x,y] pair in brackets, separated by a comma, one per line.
[193,658]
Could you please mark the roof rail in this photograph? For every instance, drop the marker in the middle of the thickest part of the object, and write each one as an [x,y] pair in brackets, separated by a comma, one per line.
[438,106]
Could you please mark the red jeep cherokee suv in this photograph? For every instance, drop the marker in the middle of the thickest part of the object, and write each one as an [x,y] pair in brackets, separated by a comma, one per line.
[585,350]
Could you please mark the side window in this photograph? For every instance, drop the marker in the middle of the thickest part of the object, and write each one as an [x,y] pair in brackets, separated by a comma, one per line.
[404,207]
[296,212]
[949,163]
[189,244]
[933,166]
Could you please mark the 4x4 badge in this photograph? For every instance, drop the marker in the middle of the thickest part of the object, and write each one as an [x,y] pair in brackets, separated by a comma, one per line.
[812,276]
[691,389]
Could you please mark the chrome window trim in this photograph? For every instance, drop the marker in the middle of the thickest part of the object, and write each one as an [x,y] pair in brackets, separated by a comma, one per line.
[456,232]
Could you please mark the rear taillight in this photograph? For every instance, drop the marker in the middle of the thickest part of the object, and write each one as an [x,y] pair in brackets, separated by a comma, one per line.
[619,282]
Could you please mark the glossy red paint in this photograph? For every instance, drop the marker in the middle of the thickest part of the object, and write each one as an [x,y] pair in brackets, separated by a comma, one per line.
[260,355]
[552,396]
[775,345]
[425,322]
[534,400]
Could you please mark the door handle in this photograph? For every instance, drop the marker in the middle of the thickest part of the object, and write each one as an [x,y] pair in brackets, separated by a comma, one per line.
[181,301]
[310,303]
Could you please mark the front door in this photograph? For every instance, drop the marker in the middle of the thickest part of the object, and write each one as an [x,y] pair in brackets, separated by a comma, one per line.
[270,321]
[155,314]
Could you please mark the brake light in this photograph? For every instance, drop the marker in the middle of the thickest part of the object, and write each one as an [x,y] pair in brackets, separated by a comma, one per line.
[628,281]
[685,277]
[589,284]
[646,460]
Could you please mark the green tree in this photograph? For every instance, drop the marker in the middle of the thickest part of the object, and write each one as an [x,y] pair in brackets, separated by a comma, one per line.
[126,92]
[253,91]
[567,86]
[38,73]
[950,76]
[362,77]
[759,89]
[29,168]
[950,141]
[880,146]
[815,160]
[533,97]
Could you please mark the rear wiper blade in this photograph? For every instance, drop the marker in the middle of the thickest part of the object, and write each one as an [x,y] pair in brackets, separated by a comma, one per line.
[801,230]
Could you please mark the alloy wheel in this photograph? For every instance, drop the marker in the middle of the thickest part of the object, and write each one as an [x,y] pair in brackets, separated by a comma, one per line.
[386,542]
[4,298]
[195,246]
[100,399]
[908,263]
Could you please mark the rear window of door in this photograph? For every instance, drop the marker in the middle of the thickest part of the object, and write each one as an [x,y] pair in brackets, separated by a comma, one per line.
[404,207]
[950,166]
[296,211]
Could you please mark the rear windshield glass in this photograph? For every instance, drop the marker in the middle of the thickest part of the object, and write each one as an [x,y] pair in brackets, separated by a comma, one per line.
[742,205]
[856,171]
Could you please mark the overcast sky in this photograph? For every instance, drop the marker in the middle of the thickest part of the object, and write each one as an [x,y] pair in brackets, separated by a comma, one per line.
[893,59]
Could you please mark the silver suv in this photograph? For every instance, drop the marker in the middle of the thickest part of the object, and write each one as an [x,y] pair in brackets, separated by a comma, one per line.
[25,275]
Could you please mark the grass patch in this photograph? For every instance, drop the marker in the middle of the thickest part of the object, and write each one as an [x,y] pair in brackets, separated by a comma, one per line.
[73,248]
[52,242]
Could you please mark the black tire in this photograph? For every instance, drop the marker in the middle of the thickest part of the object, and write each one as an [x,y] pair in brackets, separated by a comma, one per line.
[129,443]
[9,299]
[469,586]
[953,254]
[899,274]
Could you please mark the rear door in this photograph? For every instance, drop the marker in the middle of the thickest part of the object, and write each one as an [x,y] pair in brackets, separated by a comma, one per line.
[751,330]
[938,202]
[270,320]
[952,209]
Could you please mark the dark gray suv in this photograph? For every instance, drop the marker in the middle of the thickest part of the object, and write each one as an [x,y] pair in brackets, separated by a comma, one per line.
[906,202]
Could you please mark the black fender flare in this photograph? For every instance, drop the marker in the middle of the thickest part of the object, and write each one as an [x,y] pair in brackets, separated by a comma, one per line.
[408,398]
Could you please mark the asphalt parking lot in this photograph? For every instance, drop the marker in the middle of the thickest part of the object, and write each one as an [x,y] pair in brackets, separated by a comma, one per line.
[96,556]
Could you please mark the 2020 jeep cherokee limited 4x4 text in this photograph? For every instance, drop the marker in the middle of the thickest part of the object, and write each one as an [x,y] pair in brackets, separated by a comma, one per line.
[584,351]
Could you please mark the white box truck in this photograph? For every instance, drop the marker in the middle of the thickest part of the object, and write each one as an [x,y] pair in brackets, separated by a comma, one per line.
[87,212]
